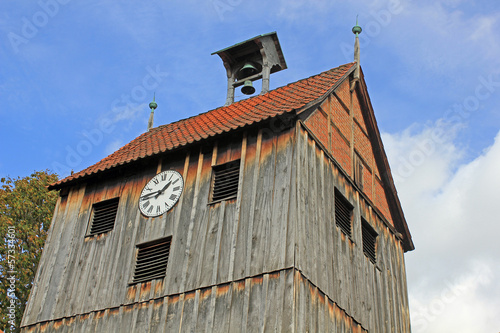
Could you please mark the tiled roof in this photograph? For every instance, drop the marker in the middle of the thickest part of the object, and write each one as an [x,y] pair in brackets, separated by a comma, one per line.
[294,96]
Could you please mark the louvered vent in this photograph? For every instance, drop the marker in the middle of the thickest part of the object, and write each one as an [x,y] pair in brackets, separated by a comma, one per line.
[369,241]
[103,216]
[343,213]
[225,181]
[152,259]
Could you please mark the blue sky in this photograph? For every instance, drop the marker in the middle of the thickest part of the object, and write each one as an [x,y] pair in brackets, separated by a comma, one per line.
[76,79]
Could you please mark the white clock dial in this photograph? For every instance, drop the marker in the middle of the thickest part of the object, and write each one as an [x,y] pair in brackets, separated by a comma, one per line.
[161,193]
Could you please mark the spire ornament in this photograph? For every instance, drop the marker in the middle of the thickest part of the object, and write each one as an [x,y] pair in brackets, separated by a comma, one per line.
[152,106]
[356,30]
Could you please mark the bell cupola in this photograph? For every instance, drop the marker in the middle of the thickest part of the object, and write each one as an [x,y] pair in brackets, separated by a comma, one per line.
[251,60]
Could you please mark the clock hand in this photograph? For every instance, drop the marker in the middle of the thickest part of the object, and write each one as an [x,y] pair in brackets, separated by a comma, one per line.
[157,193]
[163,189]
[149,195]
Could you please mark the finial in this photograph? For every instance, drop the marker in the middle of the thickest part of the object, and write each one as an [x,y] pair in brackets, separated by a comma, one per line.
[153,104]
[356,29]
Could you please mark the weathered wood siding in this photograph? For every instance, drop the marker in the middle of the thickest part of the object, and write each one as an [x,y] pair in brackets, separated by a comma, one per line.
[211,244]
[375,295]
[270,260]
[282,301]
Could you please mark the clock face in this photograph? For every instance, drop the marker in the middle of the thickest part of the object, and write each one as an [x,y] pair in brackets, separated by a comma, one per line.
[161,193]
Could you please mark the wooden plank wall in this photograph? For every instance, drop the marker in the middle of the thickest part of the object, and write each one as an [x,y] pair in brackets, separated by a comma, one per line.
[211,244]
[374,295]
[282,301]
[270,260]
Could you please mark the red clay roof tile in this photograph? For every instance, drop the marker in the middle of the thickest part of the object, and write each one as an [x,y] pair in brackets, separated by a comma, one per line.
[293,96]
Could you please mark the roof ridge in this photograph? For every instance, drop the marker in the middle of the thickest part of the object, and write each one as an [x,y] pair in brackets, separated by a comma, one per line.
[255,97]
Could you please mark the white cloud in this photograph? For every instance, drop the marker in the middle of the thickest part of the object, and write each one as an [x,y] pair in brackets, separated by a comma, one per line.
[456,307]
[422,158]
[451,210]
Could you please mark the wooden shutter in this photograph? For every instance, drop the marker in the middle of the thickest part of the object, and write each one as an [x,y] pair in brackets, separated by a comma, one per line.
[152,260]
[343,213]
[103,216]
[369,241]
[225,181]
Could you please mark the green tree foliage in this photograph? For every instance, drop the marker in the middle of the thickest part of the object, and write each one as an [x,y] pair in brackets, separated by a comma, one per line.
[26,208]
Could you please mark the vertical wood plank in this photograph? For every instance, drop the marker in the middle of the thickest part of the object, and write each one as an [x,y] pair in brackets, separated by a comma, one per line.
[211,235]
[222,314]
[251,213]
[200,226]
[311,228]
[302,199]
[330,227]
[204,304]
[246,207]
[174,313]
[255,308]
[237,309]
[192,220]
[236,216]
[291,233]
[227,237]
[278,243]
[263,206]
[173,278]
[188,315]
[288,318]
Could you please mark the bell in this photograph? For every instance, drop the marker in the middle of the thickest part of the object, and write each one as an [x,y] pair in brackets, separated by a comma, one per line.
[247,70]
[248,88]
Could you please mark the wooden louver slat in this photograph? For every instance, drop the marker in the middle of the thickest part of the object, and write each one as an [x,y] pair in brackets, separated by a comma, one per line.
[369,241]
[343,213]
[152,260]
[103,216]
[225,181]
